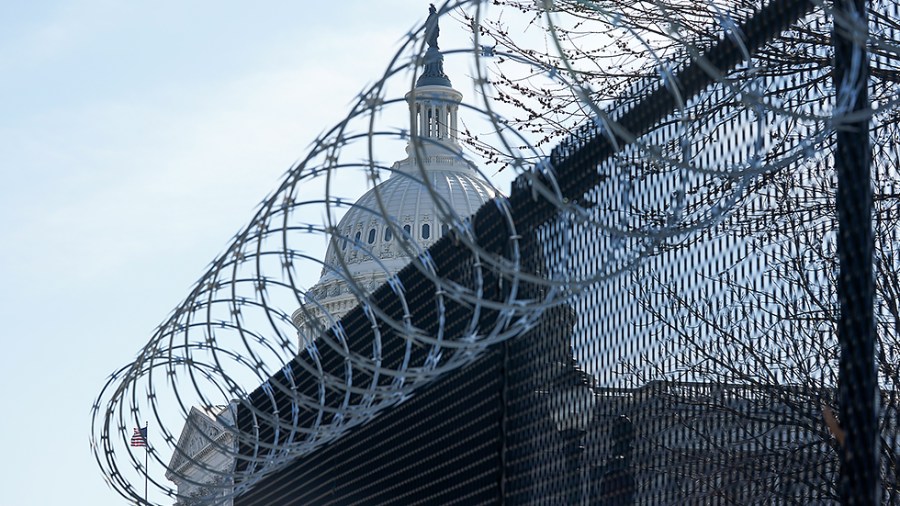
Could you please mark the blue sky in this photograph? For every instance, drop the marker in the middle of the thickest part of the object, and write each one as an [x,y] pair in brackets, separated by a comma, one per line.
[135,140]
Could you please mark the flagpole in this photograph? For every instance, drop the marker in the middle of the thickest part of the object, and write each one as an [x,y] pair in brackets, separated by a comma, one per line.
[146,453]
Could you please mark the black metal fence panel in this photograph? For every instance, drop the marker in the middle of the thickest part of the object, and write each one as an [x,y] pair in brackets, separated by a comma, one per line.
[694,299]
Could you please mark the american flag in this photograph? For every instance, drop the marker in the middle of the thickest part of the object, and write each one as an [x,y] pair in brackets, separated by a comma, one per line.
[140,437]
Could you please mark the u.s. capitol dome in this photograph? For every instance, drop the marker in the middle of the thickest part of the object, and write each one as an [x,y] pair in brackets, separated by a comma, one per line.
[427,192]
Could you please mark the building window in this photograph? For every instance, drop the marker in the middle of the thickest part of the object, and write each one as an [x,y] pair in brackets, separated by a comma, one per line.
[357,237]
[444,229]
[408,230]
[371,236]
[388,235]
[426,231]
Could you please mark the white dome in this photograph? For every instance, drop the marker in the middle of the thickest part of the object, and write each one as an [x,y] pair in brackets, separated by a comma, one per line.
[412,208]
[429,191]
[368,248]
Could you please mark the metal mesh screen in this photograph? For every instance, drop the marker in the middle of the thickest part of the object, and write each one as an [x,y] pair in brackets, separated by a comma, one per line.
[692,300]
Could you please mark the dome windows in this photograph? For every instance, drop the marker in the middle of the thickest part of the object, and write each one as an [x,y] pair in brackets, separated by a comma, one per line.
[413,216]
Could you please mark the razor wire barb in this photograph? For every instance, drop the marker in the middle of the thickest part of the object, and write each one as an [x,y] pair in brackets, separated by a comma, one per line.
[685,69]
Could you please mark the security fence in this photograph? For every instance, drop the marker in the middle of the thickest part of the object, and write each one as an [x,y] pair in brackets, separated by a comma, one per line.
[694,299]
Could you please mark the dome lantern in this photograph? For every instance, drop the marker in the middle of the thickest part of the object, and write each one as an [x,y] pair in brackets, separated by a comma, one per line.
[433,103]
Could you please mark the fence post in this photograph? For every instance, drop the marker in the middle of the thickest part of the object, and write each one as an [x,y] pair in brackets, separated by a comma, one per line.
[859,471]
